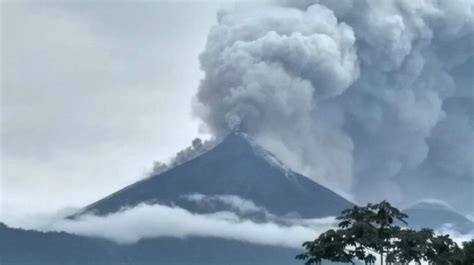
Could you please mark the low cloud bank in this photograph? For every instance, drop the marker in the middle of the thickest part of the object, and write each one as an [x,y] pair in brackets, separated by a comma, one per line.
[150,221]
[247,208]
[146,221]
[233,202]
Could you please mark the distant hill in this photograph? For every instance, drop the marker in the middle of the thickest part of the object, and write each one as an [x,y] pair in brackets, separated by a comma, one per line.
[26,247]
[19,246]
[437,215]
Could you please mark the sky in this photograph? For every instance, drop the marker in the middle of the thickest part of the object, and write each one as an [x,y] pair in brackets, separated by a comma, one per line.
[92,93]
[370,98]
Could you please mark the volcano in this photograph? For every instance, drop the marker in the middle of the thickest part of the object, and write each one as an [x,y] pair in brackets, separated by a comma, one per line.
[237,166]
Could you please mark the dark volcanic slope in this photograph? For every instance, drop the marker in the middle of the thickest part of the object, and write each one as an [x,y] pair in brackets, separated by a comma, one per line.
[236,167]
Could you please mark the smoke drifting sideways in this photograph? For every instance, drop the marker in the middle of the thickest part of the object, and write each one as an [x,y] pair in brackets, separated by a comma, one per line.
[373,98]
[198,147]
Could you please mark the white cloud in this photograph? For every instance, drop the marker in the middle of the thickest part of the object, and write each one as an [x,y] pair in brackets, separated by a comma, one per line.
[145,221]
[150,221]
[234,202]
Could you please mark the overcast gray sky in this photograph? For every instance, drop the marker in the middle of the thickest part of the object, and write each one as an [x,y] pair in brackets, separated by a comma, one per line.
[380,107]
[93,93]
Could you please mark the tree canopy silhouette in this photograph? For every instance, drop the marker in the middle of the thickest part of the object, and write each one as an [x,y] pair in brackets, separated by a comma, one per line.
[375,230]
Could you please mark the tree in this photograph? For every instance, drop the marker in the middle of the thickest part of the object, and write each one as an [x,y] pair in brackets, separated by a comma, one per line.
[410,245]
[442,250]
[364,231]
[329,246]
[464,255]
[468,252]
[374,226]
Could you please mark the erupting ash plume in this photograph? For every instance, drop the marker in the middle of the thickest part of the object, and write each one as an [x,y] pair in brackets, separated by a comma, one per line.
[374,97]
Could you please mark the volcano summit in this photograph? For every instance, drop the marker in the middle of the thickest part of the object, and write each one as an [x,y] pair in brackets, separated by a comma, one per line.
[239,167]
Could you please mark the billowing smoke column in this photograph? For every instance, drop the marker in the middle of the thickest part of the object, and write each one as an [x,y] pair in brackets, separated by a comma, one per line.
[372,97]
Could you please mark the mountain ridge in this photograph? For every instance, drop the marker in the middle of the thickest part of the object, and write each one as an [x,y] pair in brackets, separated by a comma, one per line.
[438,216]
[236,166]
[29,247]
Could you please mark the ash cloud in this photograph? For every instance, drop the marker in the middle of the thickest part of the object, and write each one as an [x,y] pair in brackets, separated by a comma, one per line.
[371,97]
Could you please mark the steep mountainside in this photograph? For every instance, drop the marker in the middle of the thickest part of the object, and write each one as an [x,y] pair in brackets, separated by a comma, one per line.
[237,166]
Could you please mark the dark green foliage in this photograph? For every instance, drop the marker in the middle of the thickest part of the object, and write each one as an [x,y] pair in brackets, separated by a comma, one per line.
[468,251]
[464,255]
[364,231]
[328,246]
[411,245]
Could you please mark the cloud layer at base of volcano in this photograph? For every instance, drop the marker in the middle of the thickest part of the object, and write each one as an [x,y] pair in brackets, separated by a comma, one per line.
[151,221]
[146,221]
